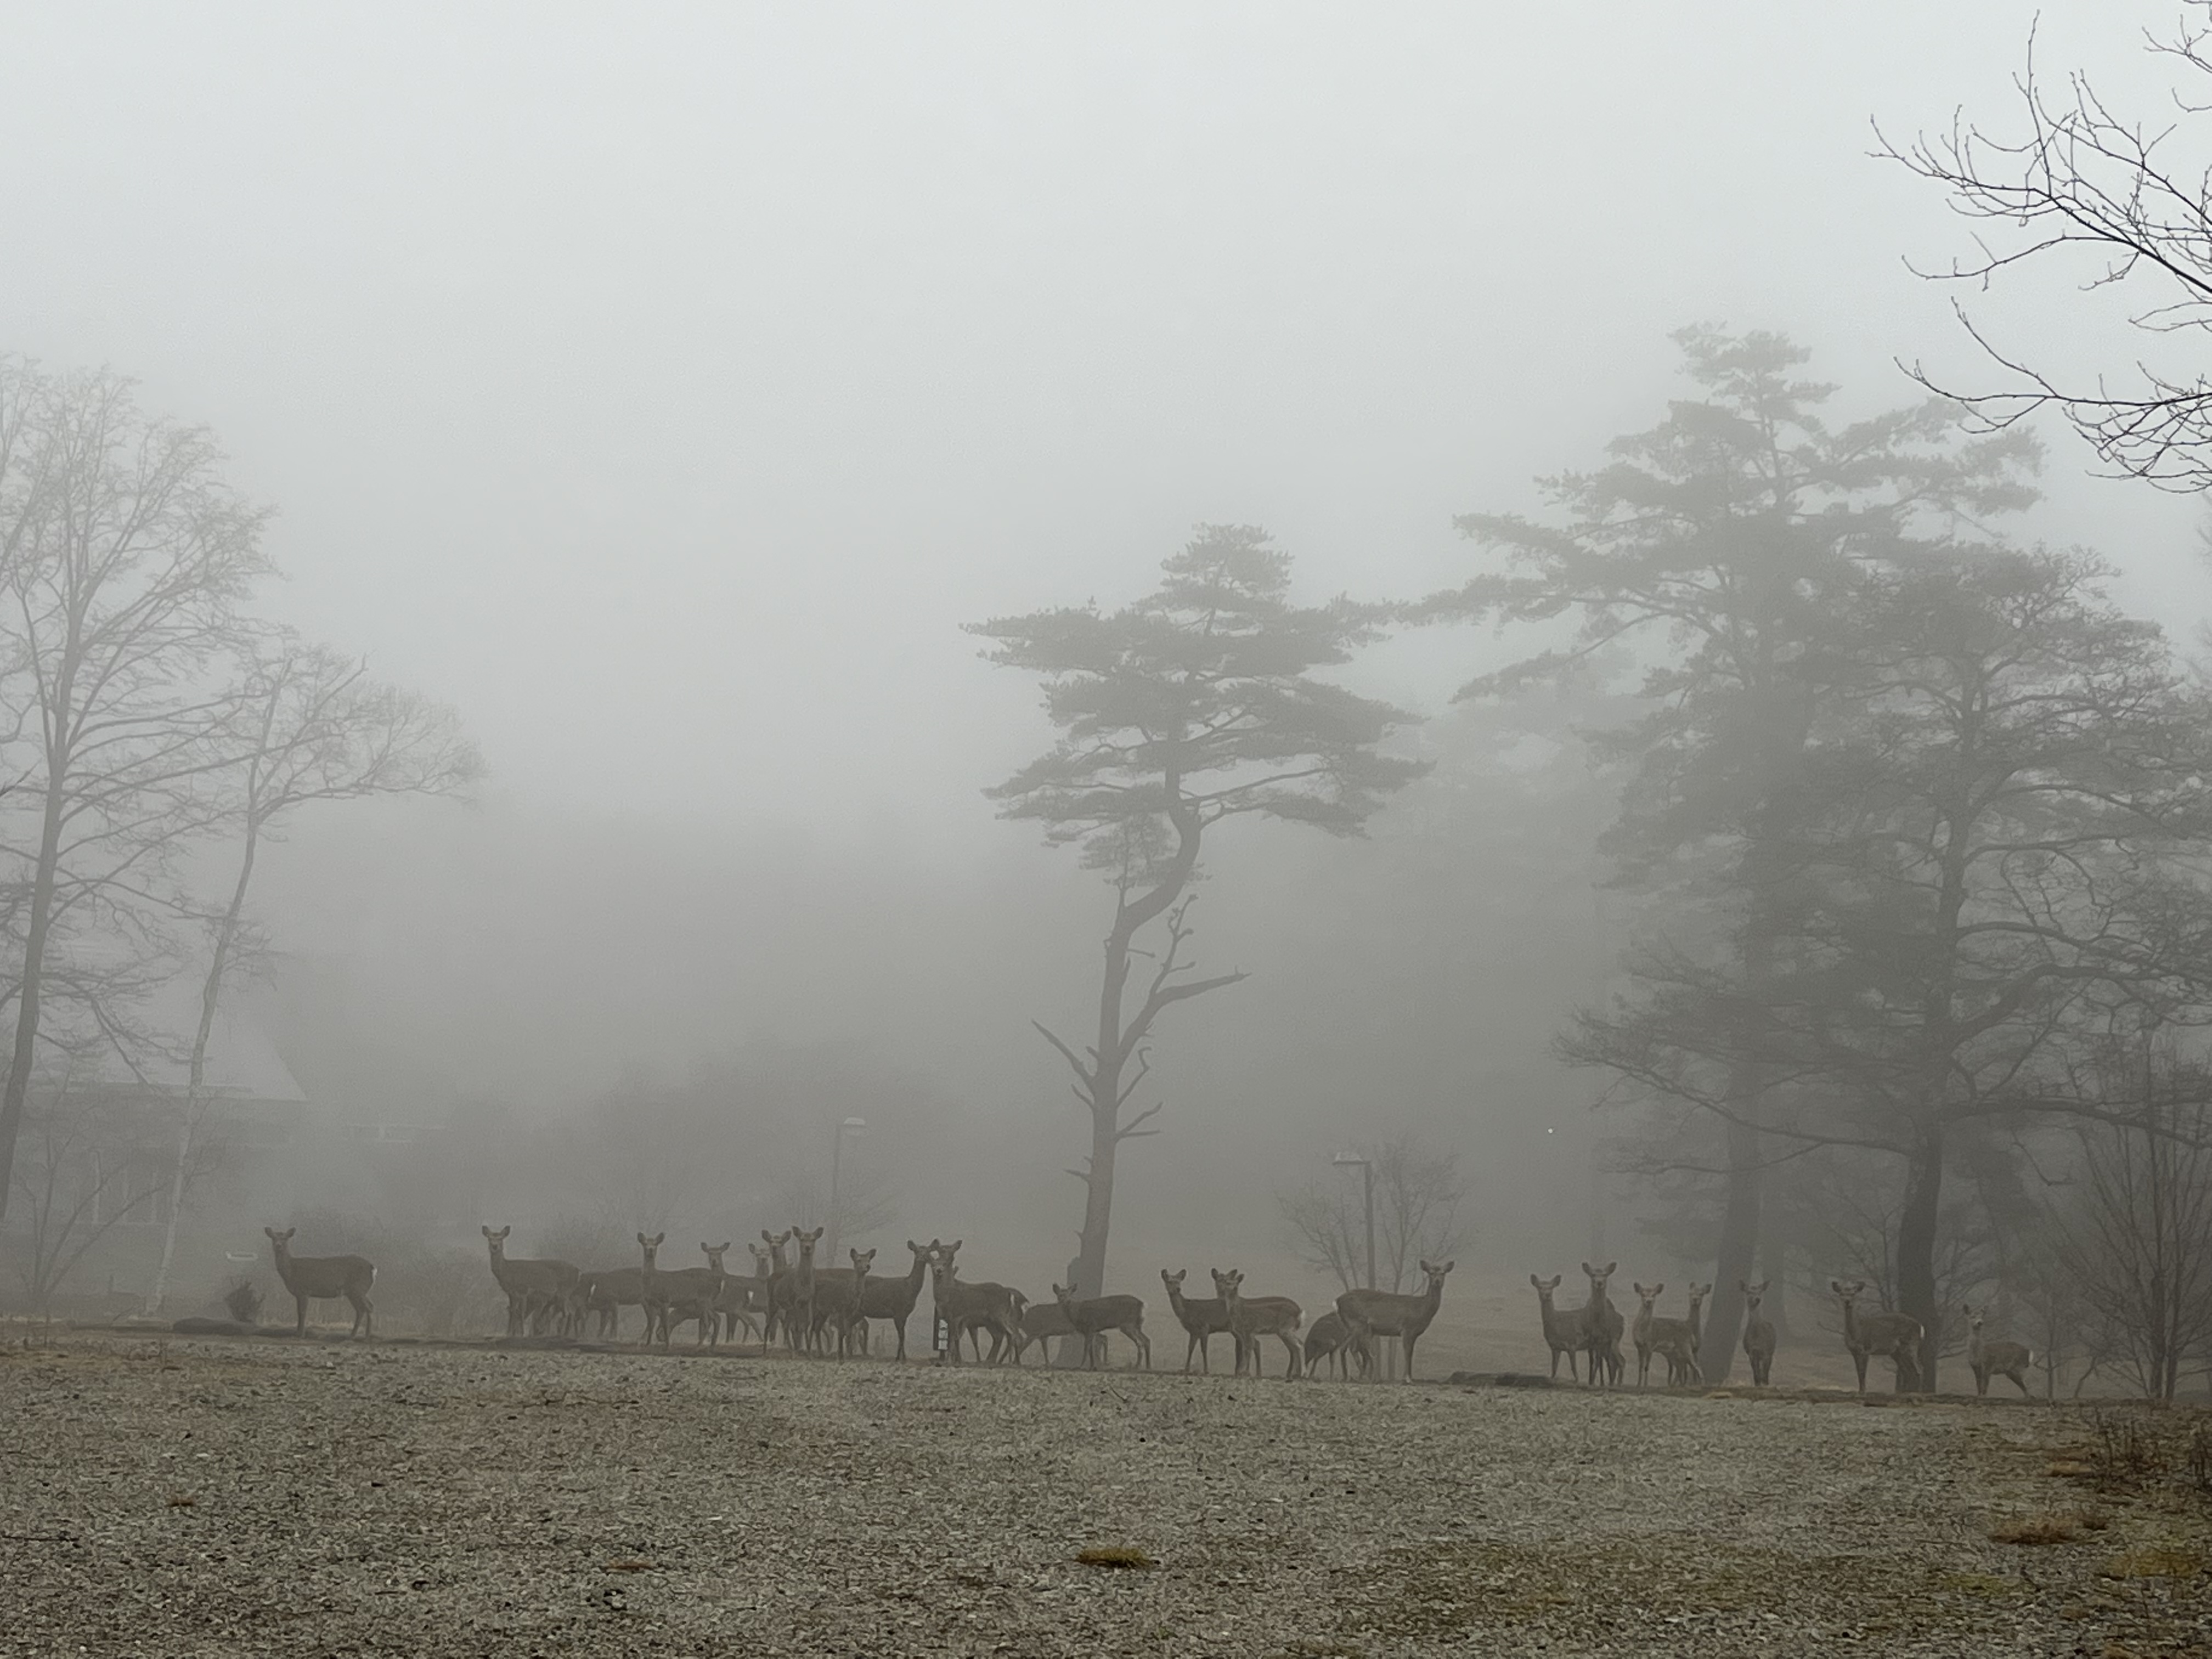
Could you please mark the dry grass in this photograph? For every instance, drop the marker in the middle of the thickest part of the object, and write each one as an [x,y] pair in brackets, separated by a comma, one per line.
[2037,1530]
[2157,1561]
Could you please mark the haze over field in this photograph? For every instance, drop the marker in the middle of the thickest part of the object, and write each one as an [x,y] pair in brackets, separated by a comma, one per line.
[665,389]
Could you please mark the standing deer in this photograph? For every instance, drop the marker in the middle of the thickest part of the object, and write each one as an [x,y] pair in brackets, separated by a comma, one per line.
[672,1296]
[1252,1318]
[1093,1316]
[1601,1327]
[606,1293]
[1679,1340]
[1040,1324]
[1758,1334]
[1987,1359]
[1329,1339]
[894,1298]
[1895,1335]
[530,1284]
[779,1282]
[1640,1329]
[1201,1319]
[1563,1332]
[800,1329]
[964,1308]
[323,1278]
[1384,1312]
[837,1301]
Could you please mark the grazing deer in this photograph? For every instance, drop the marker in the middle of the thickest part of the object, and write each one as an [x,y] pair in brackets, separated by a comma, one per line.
[530,1284]
[1987,1359]
[894,1298]
[1679,1340]
[606,1292]
[964,1308]
[1370,1313]
[1329,1339]
[1601,1327]
[1895,1335]
[323,1278]
[1758,1334]
[1093,1316]
[1041,1324]
[1201,1320]
[1563,1332]
[1251,1318]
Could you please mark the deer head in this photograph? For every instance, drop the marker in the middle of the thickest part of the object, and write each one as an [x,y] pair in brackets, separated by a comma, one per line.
[1174,1282]
[1226,1285]
[1545,1286]
[284,1237]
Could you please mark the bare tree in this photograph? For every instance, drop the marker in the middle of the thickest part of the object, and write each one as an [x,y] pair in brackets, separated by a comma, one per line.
[2137,1235]
[123,556]
[1419,1197]
[2079,181]
[91,1164]
[312,726]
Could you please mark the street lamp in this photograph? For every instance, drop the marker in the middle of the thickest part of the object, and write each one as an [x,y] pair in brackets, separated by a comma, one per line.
[851,1126]
[1366,1167]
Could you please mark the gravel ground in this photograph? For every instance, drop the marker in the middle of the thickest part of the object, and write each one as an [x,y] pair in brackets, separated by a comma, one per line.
[254,1496]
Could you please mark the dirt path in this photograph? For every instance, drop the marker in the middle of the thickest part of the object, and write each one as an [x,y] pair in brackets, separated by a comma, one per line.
[228,1497]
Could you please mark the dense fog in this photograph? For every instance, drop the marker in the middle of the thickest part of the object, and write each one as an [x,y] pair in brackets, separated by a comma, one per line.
[663,397]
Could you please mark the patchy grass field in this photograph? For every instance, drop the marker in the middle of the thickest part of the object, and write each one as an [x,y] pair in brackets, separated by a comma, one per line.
[255,1497]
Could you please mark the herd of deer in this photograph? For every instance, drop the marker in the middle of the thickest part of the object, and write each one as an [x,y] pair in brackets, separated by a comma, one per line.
[809,1305]
[1594,1331]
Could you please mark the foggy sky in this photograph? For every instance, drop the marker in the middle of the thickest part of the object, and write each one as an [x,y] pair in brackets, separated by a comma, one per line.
[664,386]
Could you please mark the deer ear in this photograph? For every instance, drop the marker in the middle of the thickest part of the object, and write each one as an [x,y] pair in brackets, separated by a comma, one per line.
[1612,1268]
[1448,1266]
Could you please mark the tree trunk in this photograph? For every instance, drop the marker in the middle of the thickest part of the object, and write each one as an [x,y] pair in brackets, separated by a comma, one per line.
[25,1052]
[1737,1255]
[1916,1249]
[196,1082]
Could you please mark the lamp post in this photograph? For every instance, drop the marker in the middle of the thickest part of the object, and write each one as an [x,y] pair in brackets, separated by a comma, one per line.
[1366,1167]
[851,1126]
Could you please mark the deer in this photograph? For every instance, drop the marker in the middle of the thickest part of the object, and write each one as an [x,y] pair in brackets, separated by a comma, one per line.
[1368,1313]
[323,1278]
[672,1296]
[1987,1359]
[1563,1332]
[1601,1327]
[1252,1318]
[1895,1335]
[1201,1320]
[606,1292]
[1640,1329]
[735,1296]
[1679,1340]
[965,1307]
[779,1282]
[1040,1324]
[799,1328]
[837,1301]
[1329,1339]
[1758,1333]
[530,1284]
[1091,1317]
[894,1298]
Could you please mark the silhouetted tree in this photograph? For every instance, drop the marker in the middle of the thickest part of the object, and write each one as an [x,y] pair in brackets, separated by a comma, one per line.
[309,725]
[1723,545]
[122,557]
[1197,704]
